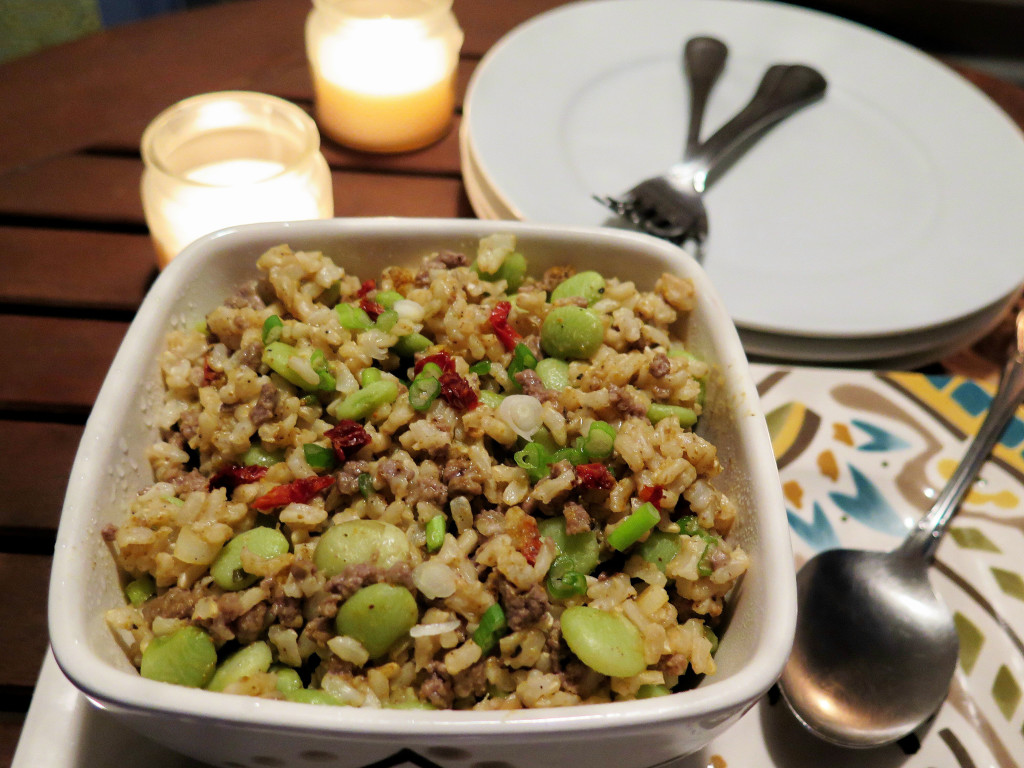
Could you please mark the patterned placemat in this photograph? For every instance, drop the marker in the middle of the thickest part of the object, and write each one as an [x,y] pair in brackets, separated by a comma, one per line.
[861,456]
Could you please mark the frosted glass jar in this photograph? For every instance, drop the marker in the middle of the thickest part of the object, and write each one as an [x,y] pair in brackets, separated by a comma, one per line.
[228,158]
[383,71]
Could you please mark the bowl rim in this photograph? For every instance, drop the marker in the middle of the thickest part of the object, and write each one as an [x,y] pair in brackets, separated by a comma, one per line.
[123,691]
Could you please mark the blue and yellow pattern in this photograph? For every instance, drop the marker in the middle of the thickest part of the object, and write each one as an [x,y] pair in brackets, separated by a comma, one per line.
[860,456]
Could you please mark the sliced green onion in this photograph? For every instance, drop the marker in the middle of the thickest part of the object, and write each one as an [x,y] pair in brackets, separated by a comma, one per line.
[512,271]
[370,375]
[331,294]
[363,402]
[659,548]
[600,440]
[260,456]
[709,633]
[690,526]
[353,318]
[277,354]
[272,328]
[433,370]
[524,414]
[174,500]
[574,454]
[387,320]
[365,483]
[553,373]
[434,531]
[522,358]
[318,457]
[481,368]
[492,626]
[582,550]
[543,436]
[318,361]
[139,590]
[563,581]
[387,299]
[407,346]
[658,411]
[423,391]
[491,399]
[534,459]
[633,527]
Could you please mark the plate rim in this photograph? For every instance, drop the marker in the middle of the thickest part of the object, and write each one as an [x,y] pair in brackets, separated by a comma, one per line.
[901,320]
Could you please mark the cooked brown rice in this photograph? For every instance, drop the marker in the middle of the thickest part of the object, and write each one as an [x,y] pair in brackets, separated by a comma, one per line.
[225,406]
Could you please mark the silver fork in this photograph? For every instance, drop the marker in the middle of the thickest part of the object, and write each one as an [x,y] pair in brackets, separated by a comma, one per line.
[670,205]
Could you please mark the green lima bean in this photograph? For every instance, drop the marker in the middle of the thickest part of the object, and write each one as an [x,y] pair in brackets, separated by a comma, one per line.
[377,616]
[606,642]
[353,542]
[226,569]
[245,662]
[571,333]
[588,285]
[187,656]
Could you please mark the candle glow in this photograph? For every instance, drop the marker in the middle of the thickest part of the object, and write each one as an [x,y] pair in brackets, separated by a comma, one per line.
[227,159]
[384,83]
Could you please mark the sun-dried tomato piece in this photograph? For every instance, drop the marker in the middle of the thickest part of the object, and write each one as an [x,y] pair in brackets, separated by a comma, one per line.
[441,359]
[371,307]
[458,392]
[525,535]
[595,476]
[366,287]
[652,493]
[347,438]
[300,491]
[235,475]
[209,374]
[508,335]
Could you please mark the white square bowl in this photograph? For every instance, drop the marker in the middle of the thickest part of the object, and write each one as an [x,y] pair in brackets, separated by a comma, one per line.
[236,731]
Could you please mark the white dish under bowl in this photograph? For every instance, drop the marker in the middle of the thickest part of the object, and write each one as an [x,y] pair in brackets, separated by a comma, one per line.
[229,730]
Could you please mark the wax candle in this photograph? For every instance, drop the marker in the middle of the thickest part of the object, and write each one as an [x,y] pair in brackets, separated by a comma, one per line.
[229,158]
[383,71]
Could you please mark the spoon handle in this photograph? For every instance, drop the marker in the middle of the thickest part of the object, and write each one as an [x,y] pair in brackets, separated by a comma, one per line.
[703,61]
[784,89]
[924,539]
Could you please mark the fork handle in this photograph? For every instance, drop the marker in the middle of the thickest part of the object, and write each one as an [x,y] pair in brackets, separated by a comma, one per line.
[784,89]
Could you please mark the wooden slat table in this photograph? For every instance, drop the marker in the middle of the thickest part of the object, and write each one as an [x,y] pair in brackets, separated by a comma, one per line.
[76,260]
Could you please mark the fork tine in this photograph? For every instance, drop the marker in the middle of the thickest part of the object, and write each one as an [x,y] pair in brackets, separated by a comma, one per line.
[615,205]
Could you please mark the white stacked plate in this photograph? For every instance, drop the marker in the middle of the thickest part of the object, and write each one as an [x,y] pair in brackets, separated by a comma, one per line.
[878,226]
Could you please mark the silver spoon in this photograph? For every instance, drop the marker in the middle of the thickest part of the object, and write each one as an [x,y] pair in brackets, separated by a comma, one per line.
[875,649]
[703,61]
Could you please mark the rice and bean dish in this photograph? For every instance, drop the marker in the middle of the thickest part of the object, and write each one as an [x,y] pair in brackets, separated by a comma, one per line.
[451,486]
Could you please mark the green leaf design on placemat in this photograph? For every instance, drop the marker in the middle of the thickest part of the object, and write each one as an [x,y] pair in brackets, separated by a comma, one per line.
[1006,692]
[1011,583]
[971,641]
[973,538]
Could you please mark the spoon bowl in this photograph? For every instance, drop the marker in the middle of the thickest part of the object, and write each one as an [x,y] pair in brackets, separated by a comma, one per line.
[875,648]
[876,659]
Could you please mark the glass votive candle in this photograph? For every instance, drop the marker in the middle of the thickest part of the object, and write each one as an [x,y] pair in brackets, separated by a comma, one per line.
[383,71]
[228,158]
